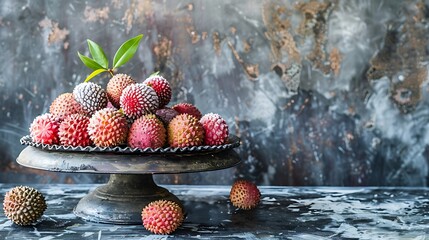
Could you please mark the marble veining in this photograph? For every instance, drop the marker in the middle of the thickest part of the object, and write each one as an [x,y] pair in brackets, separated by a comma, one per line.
[284,213]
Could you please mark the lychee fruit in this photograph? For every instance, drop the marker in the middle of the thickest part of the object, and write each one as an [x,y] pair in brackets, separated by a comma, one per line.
[147,132]
[244,194]
[116,85]
[161,87]
[188,108]
[138,99]
[90,96]
[65,105]
[215,129]
[44,129]
[162,217]
[24,205]
[108,127]
[166,114]
[74,131]
[184,130]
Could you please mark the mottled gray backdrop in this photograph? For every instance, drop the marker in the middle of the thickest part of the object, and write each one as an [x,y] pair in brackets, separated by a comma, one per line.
[320,92]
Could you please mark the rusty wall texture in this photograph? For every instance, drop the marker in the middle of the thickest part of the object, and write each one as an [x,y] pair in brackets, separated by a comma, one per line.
[320,92]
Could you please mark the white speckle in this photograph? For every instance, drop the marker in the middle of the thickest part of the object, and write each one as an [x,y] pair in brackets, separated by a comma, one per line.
[36,232]
[55,190]
[268,199]
[57,201]
[87,234]
[5,224]
[112,229]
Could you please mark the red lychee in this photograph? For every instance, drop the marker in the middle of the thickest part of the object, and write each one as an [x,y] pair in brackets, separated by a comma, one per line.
[44,129]
[65,105]
[147,132]
[244,194]
[138,99]
[108,127]
[185,131]
[215,128]
[162,216]
[74,131]
[116,85]
[161,87]
[188,108]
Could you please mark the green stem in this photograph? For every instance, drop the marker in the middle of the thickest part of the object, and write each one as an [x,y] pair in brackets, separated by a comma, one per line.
[110,71]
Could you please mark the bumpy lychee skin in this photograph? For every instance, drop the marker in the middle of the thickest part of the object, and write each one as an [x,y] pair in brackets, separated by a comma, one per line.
[162,217]
[74,131]
[185,131]
[161,87]
[65,105]
[108,128]
[147,132]
[188,108]
[90,96]
[138,99]
[116,85]
[166,114]
[244,194]
[44,129]
[24,205]
[215,129]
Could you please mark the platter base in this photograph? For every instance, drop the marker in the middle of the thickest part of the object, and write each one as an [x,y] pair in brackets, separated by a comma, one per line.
[122,199]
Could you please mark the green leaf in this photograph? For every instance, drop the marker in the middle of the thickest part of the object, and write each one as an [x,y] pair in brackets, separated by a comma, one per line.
[126,51]
[95,73]
[89,62]
[98,54]
[154,74]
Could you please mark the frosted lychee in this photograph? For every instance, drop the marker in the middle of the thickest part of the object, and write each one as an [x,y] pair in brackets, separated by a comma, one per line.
[161,87]
[138,99]
[184,130]
[215,128]
[44,129]
[162,216]
[108,127]
[147,132]
[188,108]
[74,131]
[244,194]
[90,96]
[116,85]
[65,105]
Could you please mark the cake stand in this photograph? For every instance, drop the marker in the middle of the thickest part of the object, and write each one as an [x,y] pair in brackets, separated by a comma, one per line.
[131,186]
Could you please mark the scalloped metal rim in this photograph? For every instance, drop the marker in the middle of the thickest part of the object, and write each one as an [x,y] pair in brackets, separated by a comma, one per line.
[233,142]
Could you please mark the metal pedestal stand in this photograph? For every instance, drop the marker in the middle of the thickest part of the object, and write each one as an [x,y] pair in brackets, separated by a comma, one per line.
[131,186]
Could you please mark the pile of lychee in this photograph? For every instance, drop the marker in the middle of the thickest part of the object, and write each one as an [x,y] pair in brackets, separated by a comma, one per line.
[126,112]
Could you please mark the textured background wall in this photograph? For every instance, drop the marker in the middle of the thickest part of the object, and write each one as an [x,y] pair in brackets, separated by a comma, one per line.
[320,92]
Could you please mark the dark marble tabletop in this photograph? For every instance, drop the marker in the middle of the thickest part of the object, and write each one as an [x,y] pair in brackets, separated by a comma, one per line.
[284,213]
